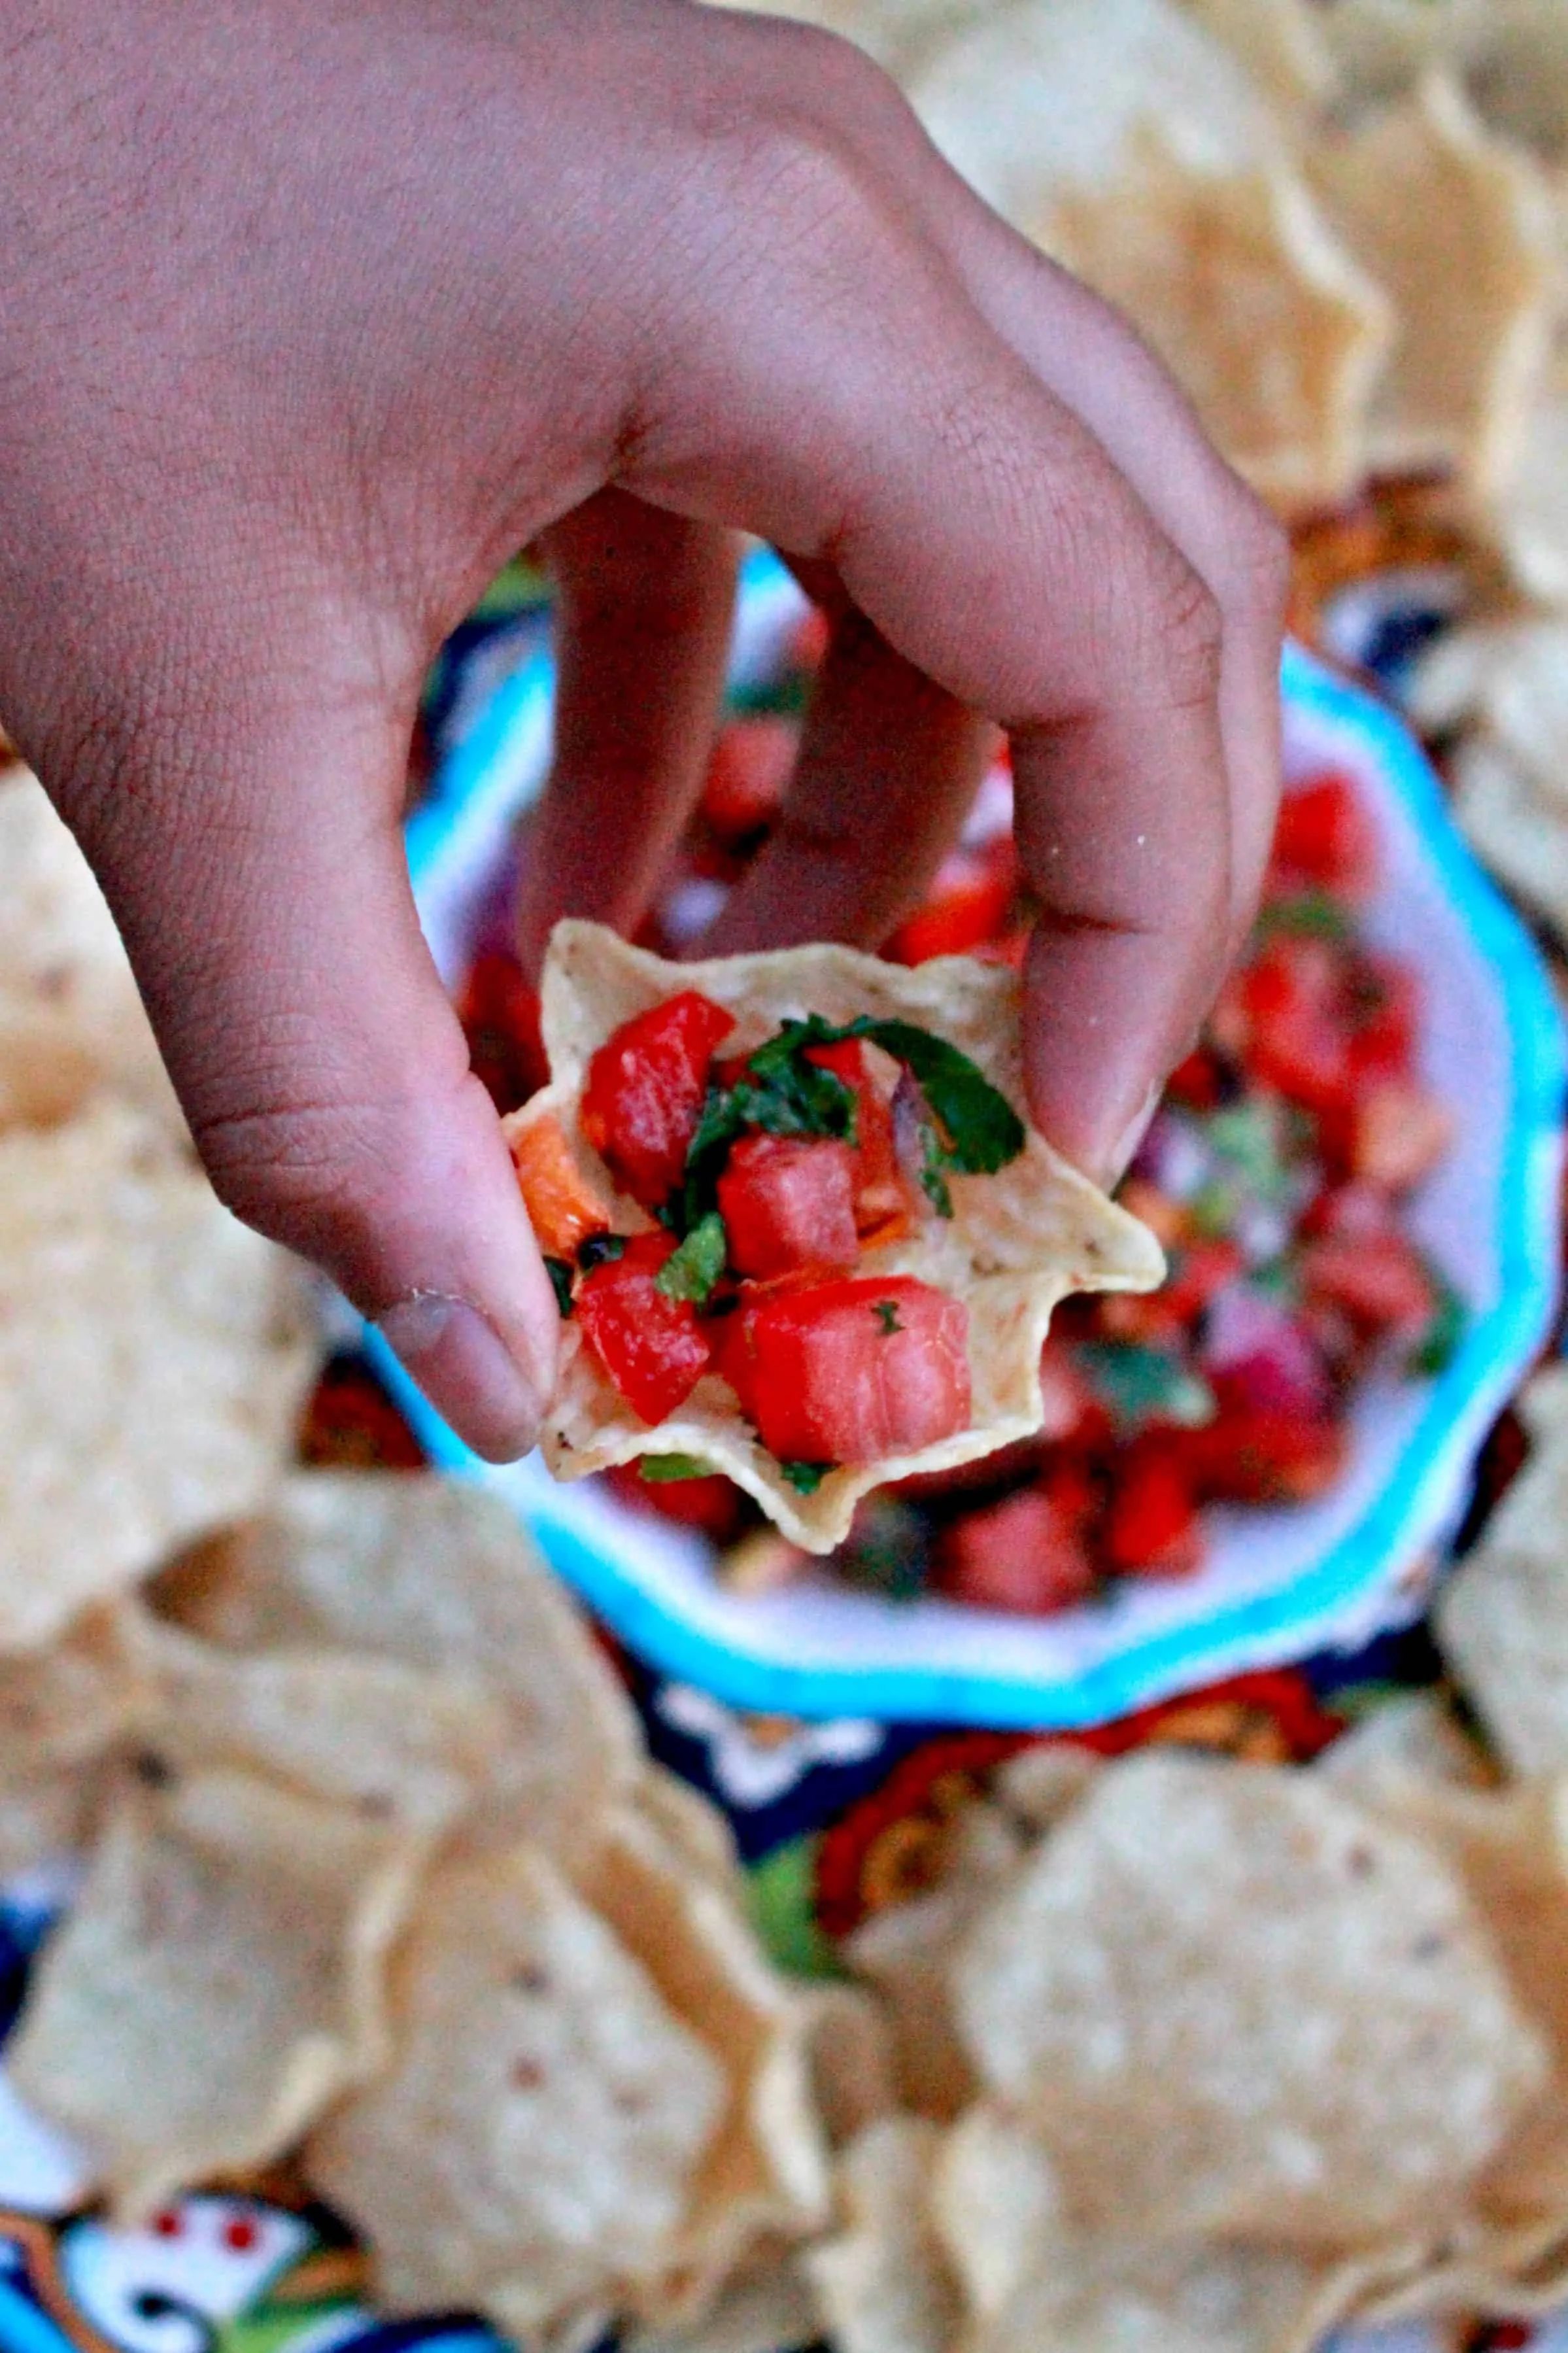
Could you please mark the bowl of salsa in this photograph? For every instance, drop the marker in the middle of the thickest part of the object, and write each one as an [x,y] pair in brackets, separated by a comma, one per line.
[1355,1180]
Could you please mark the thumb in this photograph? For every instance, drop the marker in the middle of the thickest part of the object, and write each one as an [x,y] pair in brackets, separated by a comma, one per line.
[265,900]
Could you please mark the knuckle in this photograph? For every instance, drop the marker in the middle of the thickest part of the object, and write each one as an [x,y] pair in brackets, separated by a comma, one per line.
[1184,626]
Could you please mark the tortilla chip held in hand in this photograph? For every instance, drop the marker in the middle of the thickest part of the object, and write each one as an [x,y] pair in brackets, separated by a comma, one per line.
[799,1228]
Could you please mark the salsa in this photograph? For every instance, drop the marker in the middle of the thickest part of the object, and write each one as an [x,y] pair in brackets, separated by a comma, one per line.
[764,1177]
[1277,1175]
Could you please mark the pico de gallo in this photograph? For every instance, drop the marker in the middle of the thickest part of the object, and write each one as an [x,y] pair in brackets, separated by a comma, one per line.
[1275,1174]
[766,1177]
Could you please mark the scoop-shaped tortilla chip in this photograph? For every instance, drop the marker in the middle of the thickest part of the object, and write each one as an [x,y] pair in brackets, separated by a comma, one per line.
[1458,228]
[216,1984]
[1259,309]
[1016,1244]
[71,1018]
[1230,2000]
[393,1743]
[764,2176]
[882,2282]
[532,2148]
[154,1354]
[438,1576]
[1193,2297]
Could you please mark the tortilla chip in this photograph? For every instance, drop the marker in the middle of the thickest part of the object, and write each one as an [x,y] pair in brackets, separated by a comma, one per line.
[1041,1783]
[764,2174]
[1281,45]
[88,1693]
[532,2148]
[1459,229]
[393,1744]
[1517,70]
[51,1814]
[1515,827]
[71,1018]
[881,2282]
[1528,510]
[439,1577]
[997,2208]
[1029,102]
[1190,2297]
[899,34]
[1510,1848]
[1383,47]
[851,2045]
[1018,1243]
[691,1827]
[1236,277]
[1411,1742]
[773,2313]
[216,1984]
[1501,1621]
[906,1952]
[1229,2000]
[155,1354]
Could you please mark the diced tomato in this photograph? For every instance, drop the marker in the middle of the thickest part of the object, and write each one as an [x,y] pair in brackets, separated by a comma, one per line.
[714,1505]
[1262,1457]
[1197,1081]
[1025,1555]
[1380,1282]
[1383,1016]
[1151,1527]
[1297,1041]
[562,1207]
[1326,837]
[966,906]
[747,774]
[881,1198]
[1399,1134]
[788,1201]
[645,1092]
[500,1013]
[849,1371]
[651,1348]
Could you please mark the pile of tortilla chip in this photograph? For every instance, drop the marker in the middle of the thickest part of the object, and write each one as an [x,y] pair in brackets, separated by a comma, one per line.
[1177,2050]
[379,1874]
[1343,223]
[154,1354]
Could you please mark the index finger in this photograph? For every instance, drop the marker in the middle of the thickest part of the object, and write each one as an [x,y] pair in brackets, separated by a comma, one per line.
[989,536]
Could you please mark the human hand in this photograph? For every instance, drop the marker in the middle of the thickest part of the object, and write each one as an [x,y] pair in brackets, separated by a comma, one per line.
[314,313]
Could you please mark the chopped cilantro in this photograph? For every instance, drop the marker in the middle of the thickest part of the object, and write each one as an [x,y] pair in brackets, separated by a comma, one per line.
[560,1275]
[886,1311]
[663,1470]
[983,1131]
[974,1127]
[1305,914]
[1141,1385]
[1433,1352]
[600,1250]
[805,1478]
[695,1265]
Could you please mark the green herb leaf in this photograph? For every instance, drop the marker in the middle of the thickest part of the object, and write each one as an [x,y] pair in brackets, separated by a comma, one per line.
[984,1132]
[560,1275]
[886,1313]
[695,1265]
[1436,1349]
[1305,914]
[600,1250]
[664,1469]
[1140,1385]
[805,1478]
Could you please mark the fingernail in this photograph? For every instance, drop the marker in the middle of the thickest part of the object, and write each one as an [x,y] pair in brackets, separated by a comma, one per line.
[1126,1147]
[463,1368]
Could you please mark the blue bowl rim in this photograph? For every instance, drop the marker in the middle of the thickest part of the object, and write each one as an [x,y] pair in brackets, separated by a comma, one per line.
[1497,1347]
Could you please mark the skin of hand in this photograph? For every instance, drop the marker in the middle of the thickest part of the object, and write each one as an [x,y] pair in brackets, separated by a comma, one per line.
[315,310]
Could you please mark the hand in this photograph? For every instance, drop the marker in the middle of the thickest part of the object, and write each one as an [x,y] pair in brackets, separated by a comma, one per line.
[314,311]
